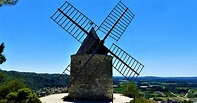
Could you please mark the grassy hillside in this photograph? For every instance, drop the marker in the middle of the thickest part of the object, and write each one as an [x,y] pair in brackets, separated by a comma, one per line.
[37,81]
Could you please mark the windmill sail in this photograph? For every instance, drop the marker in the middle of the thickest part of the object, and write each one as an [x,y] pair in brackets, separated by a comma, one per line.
[73,21]
[67,70]
[117,21]
[124,63]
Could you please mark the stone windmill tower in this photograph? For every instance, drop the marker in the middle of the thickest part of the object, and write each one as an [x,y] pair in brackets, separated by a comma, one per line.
[91,67]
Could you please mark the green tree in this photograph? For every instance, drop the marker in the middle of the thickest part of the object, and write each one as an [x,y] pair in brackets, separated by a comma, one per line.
[2,57]
[1,76]
[24,95]
[187,101]
[129,90]
[10,86]
[8,2]
[15,91]
[11,97]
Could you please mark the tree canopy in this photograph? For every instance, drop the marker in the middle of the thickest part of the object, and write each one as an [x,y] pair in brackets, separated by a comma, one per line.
[2,57]
[15,91]
[8,2]
[131,90]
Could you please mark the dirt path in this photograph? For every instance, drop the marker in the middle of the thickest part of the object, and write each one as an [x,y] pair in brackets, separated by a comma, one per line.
[57,98]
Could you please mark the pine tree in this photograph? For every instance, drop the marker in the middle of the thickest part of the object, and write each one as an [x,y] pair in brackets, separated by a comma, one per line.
[2,57]
[8,2]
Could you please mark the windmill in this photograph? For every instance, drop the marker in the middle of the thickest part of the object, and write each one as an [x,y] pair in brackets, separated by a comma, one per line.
[93,58]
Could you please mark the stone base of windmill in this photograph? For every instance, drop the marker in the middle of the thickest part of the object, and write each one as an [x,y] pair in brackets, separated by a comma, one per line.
[94,82]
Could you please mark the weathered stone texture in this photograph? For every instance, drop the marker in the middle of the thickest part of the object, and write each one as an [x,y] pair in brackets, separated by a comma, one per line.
[95,80]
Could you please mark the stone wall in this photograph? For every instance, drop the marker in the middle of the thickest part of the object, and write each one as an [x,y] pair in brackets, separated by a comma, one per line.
[95,80]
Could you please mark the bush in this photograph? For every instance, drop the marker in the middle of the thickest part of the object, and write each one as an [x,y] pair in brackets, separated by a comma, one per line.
[129,90]
[1,75]
[3,101]
[11,97]
[24,95]
[15,91]
[10,86]
[157,99]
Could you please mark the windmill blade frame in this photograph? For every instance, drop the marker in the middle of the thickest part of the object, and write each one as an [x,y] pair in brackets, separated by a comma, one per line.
[73,21]
[117,21]
[124,63]
[67,69]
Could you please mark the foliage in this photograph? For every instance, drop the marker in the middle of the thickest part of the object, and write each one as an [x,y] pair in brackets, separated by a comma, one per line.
[10,86]
[8,2]
[1,76]
[3,101]
[169,94]
[158,99]
[2,57]
[141,100]
[187,101]
[192,93]
[24,95]
[11,97]
[38,81]
[129,90]
[15,91]
[117,90]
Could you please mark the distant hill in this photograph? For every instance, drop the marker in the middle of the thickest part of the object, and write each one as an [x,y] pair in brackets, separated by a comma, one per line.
[38,80]
[161,79]
[168,79]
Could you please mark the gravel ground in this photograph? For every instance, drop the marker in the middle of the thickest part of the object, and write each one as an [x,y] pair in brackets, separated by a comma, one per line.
[57,98]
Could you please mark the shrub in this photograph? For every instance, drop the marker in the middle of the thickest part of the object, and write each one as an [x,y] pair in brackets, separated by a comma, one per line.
[1,75]
[11,97]
[24,95]
[10,86]
[15,91]
[130,90]
[157,99]
[3,101]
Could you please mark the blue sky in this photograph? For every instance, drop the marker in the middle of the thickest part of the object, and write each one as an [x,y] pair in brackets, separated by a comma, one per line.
[162,35]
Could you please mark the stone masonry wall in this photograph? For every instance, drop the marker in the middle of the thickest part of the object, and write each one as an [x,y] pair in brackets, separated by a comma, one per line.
[95,81]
